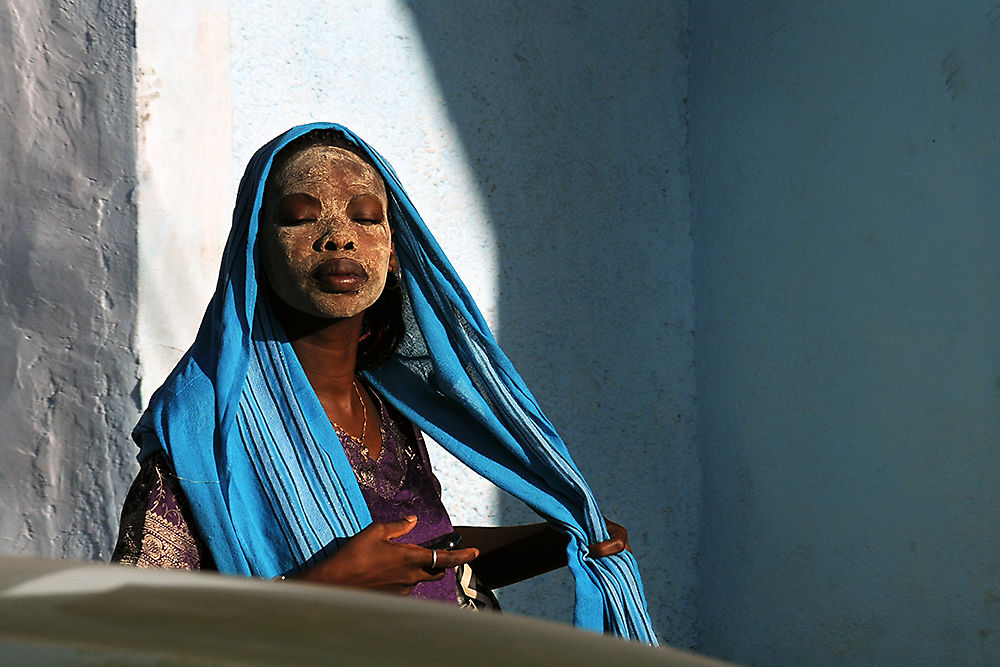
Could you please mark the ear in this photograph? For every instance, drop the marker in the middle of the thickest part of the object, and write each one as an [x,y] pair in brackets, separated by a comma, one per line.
[393,262]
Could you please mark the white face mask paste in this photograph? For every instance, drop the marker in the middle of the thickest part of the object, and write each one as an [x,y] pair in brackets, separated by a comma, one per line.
[325,238]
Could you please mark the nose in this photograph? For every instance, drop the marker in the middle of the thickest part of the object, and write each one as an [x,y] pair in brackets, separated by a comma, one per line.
[331,244]
[339,236]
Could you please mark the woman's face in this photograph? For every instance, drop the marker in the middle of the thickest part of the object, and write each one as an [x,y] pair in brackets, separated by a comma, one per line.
[325,239]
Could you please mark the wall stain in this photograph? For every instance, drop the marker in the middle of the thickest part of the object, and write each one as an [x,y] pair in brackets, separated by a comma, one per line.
[952,67]
[993,18]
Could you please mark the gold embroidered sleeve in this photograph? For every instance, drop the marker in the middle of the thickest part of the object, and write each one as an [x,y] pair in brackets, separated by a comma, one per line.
[156,525]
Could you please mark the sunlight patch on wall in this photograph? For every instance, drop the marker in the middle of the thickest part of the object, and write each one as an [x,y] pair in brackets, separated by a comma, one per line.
[184,196]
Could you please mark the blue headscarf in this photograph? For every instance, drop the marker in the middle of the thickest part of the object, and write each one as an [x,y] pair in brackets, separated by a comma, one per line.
[267,479]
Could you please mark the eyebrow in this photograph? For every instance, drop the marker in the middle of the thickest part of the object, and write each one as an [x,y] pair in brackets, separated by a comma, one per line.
[300,194]
[361,195]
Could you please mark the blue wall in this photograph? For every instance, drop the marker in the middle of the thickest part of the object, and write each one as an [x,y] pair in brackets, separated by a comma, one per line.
[845,198]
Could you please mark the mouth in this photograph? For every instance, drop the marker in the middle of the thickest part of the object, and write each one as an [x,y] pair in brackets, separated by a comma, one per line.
[340,275]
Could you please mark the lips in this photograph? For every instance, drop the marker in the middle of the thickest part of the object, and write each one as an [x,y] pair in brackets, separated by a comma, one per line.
[340,275]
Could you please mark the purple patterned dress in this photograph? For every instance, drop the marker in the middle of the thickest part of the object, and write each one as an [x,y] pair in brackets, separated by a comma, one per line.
[399,483]
[157,529]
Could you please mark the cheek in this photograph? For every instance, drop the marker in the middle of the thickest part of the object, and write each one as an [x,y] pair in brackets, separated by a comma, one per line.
[376,247]
[289,248]
[279,262]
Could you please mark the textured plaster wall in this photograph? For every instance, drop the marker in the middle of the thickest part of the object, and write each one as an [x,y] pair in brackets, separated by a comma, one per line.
[68,377]
[544,143]
[844,174]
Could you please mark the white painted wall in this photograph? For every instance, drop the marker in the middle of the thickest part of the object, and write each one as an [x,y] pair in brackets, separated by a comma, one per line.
[185,173]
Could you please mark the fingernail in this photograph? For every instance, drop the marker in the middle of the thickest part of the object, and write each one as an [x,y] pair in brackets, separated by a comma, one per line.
[412,518]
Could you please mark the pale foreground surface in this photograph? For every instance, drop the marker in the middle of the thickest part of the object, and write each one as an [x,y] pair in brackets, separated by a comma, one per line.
[65,612]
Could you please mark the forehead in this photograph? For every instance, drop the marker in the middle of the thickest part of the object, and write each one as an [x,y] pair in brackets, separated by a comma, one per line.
[327,166]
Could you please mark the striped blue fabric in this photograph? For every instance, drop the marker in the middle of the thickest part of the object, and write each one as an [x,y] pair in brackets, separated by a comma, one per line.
[268,481]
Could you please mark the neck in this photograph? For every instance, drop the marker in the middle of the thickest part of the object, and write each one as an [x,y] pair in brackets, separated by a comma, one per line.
[327,350]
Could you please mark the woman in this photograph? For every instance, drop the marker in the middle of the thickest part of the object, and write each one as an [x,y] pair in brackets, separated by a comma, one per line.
[284,435]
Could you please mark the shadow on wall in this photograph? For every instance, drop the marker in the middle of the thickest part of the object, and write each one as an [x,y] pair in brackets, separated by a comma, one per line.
[572,118]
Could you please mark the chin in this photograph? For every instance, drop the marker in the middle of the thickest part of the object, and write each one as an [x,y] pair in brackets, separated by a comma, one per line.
[342,306]
[328,305]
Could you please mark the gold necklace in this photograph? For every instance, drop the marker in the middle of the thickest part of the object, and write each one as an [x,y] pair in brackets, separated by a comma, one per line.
[364,423]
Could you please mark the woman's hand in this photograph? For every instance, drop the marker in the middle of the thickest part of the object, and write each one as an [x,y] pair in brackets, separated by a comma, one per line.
[615,544]
[371,560]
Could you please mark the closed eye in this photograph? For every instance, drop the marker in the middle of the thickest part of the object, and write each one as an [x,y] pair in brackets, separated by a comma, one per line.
[297,209]
[366,209]
[291,222]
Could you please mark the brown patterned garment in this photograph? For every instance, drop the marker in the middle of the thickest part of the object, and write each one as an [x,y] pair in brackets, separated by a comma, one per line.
[156,523]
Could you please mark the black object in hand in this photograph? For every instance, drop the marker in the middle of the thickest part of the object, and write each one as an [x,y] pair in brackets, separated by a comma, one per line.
[444,542]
